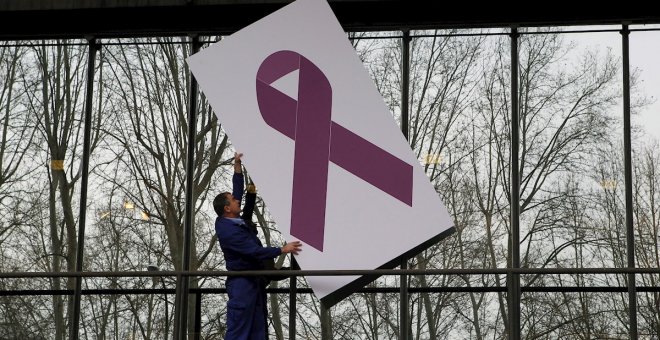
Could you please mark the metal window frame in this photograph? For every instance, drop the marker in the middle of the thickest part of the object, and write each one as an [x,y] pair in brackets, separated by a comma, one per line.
[512,272]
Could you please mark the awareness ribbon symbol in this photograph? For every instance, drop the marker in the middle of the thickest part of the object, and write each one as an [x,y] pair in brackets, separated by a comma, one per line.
[318,141]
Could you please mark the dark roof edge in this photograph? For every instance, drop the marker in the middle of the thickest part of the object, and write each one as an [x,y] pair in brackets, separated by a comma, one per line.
[222,17]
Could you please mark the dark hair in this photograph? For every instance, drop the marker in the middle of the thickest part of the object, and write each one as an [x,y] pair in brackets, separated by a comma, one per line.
[220,202]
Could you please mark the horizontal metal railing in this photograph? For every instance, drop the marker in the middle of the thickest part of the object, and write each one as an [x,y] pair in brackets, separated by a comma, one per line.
[369,290]
[351,272]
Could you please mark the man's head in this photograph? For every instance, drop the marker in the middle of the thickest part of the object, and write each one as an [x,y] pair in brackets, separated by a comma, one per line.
[225,205]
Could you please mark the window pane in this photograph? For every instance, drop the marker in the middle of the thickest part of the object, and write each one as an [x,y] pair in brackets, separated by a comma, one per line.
[42,100]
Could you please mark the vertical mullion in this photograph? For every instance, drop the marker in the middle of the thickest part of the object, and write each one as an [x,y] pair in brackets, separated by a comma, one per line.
[513,296]
[91,59]
[405,86]
[627,151]
[183,285]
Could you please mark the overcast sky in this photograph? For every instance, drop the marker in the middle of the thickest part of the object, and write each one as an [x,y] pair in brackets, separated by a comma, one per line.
[644,55]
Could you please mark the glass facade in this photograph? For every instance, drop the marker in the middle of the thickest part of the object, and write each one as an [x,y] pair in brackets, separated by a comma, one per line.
[552,218]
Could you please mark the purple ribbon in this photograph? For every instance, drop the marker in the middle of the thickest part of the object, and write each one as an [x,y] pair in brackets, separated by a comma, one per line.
[318,141]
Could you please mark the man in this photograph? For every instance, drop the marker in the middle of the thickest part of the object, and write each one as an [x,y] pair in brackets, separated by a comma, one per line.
[242,249]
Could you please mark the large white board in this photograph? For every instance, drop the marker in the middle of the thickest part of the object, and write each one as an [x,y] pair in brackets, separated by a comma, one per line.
[318,140]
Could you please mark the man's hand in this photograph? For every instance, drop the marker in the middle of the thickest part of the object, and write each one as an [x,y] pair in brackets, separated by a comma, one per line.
[237,163]
[251,189]
[292,247]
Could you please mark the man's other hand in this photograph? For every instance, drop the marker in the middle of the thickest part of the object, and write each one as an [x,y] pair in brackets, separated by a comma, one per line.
[292,247]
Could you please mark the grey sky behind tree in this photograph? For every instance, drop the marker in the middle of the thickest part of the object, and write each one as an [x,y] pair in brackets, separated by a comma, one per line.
[644,55]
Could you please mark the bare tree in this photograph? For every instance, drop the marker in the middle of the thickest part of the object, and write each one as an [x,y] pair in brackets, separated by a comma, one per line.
[16,140]
[54,80]
[149,140]
[646,210]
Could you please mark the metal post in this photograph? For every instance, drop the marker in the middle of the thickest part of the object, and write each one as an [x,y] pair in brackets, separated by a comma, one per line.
[403,303]
[91,58]
[326,323]
[405,81]
[183,282]
[513,279]
[167,302]
[627,151]
[292,301]
[198,316]
[405,87]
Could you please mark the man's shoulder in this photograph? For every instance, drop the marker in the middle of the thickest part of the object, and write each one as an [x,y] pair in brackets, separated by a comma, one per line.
[225,225]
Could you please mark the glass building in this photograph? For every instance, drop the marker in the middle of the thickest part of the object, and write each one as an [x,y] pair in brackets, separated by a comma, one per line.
[539,131]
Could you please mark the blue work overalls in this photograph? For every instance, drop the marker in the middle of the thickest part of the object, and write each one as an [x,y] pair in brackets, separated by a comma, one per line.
[242,249]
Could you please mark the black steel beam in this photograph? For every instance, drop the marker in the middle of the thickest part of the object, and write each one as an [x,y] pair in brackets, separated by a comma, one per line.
[102,19]
[370,290]
[183,282]
[89,104]
[352,272]
[630,231]
[404,313]
[513,279]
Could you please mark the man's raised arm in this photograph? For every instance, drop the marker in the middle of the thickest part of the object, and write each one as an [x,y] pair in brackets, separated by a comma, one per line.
[237,179]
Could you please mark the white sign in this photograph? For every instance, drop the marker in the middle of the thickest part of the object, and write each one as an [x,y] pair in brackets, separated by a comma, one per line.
[318,140]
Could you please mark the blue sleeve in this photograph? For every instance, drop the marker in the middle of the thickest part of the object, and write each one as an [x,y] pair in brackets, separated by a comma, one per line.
[248,208]
[238,186]
[243,243]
